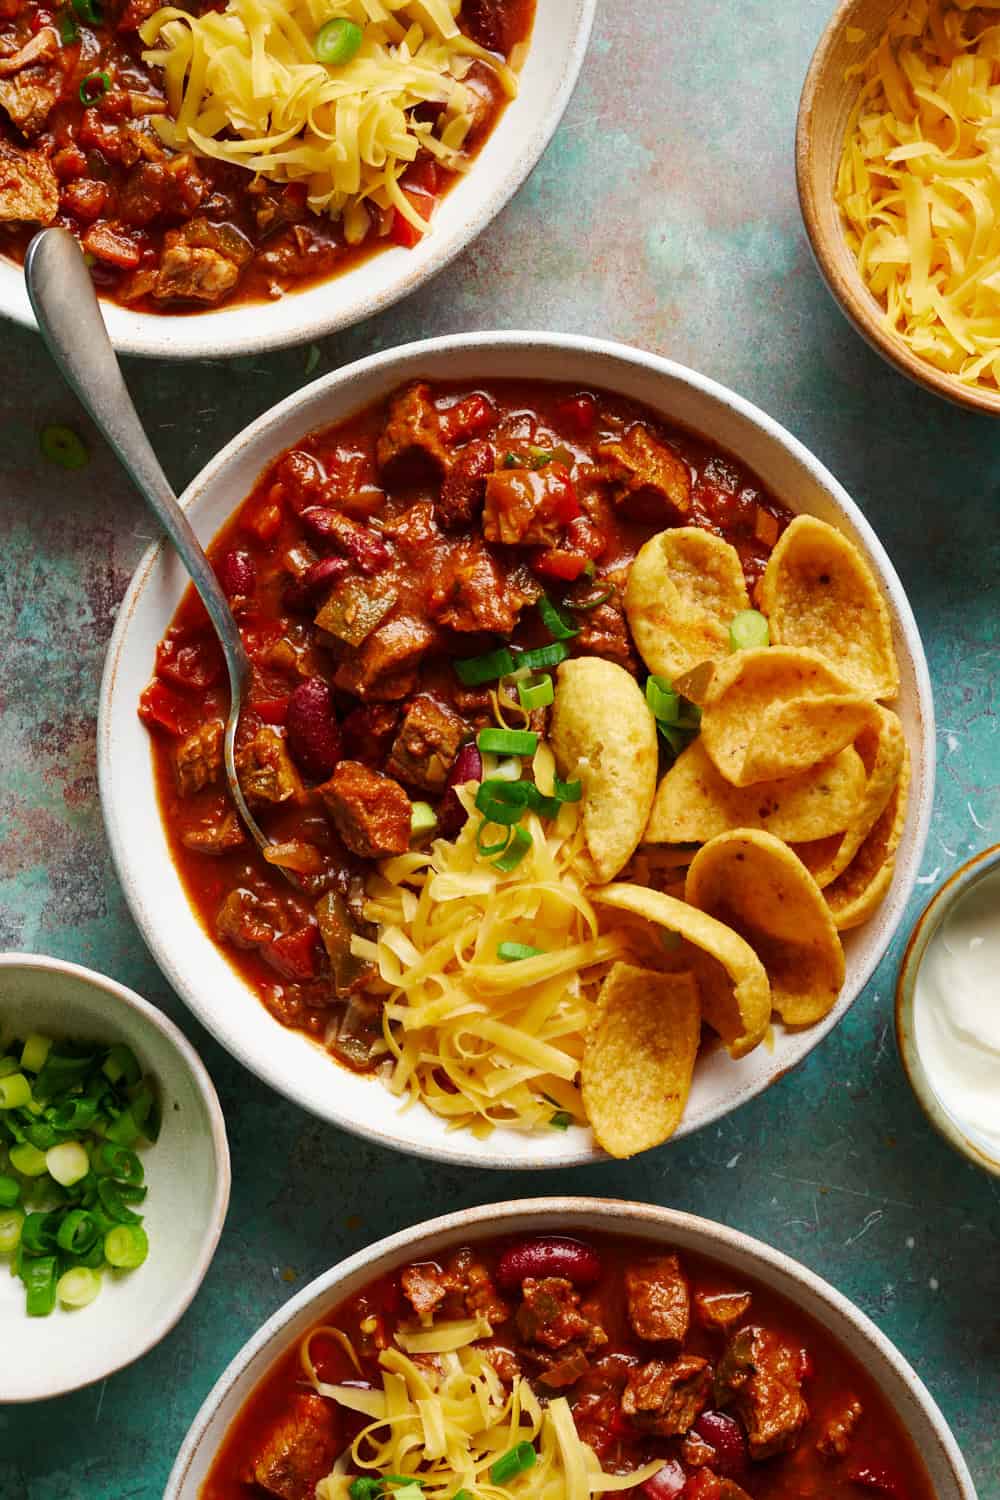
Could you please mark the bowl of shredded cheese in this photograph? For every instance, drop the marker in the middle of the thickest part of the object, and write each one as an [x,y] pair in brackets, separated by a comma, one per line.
[898,164]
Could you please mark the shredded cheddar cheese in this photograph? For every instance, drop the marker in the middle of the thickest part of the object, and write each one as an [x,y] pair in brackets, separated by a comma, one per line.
[446,1422]
[244,86]
[919,182]
[482,1042]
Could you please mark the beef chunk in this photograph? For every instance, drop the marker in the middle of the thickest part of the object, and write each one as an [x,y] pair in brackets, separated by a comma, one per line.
[371,812]
[29,192]
[385,668]
[758,1374]
[43,46]
[464,489]
[28,96]
[248,921]
[299,1451]
[470,592]
[659,1301]
[201,262]
[265,769]
[648,479]
[722,1309]
[198,758]
[550,1315]
[835,1439]
[368,732]
[217,835]
[410,447]
[528,507]
[604,632]
[427,744]
[668,1398]
[425,1286]
[472,1289]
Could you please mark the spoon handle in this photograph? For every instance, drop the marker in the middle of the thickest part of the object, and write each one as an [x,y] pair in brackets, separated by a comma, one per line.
[70,321]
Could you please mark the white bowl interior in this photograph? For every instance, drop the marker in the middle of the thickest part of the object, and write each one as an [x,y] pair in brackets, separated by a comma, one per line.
[198,970]
[898,1382]
[558,47]
[187,1173]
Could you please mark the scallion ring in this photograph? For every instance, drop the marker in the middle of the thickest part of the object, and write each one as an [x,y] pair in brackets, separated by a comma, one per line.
[538,694]
[515,851]
[488,850]
[337,42]
[513,953]
[507,741]
[555,620]
[475,670]
[749,630]
[93,88]
[542,656]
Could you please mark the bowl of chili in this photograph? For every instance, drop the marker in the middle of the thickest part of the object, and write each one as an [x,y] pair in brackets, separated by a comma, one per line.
[659,1311]
[183,892]
[156,1253]
[201,257]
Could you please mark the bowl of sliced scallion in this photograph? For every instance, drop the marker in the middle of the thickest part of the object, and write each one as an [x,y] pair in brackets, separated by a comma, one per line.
[114,1176]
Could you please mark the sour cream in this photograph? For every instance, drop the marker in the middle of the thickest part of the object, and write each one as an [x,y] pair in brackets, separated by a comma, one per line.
[957,1013]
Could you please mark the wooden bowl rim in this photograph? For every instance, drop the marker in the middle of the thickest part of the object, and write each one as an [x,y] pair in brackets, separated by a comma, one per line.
[850,292]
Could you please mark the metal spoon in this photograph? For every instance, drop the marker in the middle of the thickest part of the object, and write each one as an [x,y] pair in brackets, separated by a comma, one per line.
[69,318]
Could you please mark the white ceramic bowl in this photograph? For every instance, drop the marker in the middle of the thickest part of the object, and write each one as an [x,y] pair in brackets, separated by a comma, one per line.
[196,967]
[901,1386]
[187,1173]
[555,57]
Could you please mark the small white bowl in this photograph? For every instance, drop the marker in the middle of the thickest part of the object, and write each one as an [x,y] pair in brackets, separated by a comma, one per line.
[898,1382]
[192,962]
[187,1173]
[555,56]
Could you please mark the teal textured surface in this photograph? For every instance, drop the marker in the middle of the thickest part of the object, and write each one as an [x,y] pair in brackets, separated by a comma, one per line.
[664,215]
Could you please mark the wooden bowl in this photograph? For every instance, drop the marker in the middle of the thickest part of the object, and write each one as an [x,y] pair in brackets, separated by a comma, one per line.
[827,99]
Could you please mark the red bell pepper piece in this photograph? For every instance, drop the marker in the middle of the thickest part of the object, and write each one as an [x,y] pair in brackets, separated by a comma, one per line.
[579,414]
[560,564]
[271,710]
[467,418]
[295,954]
[191,664]
[264,521]
[162,708]
[403,232]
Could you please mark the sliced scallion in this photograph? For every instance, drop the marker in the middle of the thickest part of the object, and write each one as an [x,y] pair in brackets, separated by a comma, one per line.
[34,1052]
[39,1277]
[515,851]
[423,819]
[556,621]
[536,694]
[67,1163]
[512,953]
[475,670]
[749,630]
[11,1223]
[337,42]
[78,1287]
[126,1246]
[507,741]
[543,656]
[27,1160]
[512,1463]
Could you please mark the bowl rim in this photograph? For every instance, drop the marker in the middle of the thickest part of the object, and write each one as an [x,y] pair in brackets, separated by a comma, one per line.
[449,1148]
[848,291]
[968,875]
[254,336]
[149,1335]
[624,1217]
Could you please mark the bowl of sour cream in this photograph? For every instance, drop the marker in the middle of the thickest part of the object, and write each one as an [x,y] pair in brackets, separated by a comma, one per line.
[948,1010]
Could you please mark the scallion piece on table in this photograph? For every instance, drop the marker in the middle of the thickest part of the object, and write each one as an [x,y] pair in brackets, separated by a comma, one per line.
[512,1463]
[27,1159]
[126,1246]
[556,621]
[34,1052]
[536,694]
[542,656]
[512,953]
[515,851]
[15,1091]
[39,1277]
[11,1224]
[423,819]
[507,741]
[747,630]
[475,670]
[338,42]
[78,1287]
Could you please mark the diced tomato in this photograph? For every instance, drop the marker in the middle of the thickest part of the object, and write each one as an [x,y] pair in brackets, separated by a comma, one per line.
[192,664]
[403,232]
[566,506]
[579,413]
[162,708]
[259,635]
[271,710]
[467,419]
[110,245]
[264,521]
[560,564]
[703,1485]
[295,954]
[69,162]
[667,1484]
[583,536]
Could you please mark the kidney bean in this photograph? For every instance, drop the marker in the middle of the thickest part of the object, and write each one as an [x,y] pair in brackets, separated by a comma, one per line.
[313,736]
[302,593]
[237,572]
[723,1433]
[468,767]
[365,548]
[667,1484]
[878,1477]
[550,1255]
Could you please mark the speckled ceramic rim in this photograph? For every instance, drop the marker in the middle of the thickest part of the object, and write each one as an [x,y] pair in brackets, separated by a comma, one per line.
[847,1323]
[507,159]
[605,368]
[930,919]
[149,1335]
[835,263]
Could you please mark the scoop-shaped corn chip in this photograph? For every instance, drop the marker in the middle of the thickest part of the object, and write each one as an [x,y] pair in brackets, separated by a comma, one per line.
[683,590]
[755,884]
[639,1057]
[603,733]
[736,997]
[860,889]
[882,748]
[694,802]
[819,591]
[776,711]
